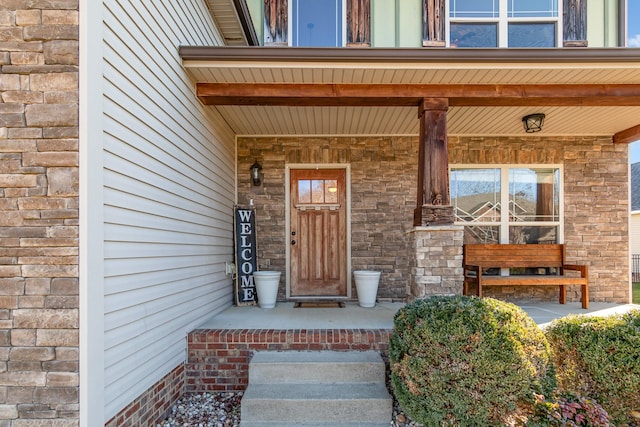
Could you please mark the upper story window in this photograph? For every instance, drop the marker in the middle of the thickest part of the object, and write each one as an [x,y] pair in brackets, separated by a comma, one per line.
[317,23]
[504,23]
[453,23]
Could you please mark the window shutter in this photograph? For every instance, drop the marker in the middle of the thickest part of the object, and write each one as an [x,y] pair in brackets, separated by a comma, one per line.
[433,20]
[275,22]
[358,23]
[575,23]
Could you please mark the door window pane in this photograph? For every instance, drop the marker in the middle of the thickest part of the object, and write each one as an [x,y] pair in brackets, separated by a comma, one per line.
[474,8]
[331,191]
[534,195]
[533,8]
[317,23]
[304,191]
[317,191]
[473,35]
[532,34]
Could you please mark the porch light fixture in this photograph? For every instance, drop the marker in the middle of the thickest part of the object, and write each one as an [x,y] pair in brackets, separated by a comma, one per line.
[256,168]
[533,122]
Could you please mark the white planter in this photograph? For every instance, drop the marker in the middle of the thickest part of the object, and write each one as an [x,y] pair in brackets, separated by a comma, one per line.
[367,287]
[267,287]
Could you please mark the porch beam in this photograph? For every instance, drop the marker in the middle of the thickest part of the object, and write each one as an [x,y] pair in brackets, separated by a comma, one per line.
[433,201]
[399,95]
[627,136]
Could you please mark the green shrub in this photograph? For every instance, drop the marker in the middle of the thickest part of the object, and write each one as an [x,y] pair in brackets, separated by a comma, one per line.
[599,357]
[467,361]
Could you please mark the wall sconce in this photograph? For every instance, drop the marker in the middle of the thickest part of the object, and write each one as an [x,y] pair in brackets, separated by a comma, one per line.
[256,169]
[533,122]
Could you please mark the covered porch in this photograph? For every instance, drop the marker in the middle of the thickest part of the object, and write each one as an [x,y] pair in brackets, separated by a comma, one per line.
[393,122]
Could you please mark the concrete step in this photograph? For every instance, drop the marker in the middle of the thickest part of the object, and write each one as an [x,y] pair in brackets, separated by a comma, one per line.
[323,388]
[316,404]
[319,367]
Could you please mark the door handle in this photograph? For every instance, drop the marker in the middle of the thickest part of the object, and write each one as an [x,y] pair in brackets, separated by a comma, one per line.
[293,242]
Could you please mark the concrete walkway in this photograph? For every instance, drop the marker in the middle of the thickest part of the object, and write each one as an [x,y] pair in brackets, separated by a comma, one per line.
[285,316]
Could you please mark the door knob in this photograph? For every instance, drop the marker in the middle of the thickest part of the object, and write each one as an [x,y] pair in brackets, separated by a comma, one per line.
[293,242]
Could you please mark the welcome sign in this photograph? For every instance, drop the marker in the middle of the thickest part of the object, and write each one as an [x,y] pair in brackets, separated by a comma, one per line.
[245,238]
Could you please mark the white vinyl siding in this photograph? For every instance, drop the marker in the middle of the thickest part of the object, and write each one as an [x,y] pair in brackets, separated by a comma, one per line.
[169,191]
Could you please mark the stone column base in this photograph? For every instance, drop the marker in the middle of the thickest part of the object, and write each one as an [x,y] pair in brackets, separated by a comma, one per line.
[436,261]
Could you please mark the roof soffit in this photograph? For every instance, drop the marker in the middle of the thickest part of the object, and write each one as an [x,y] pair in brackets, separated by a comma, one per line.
[420,67]
[412,66]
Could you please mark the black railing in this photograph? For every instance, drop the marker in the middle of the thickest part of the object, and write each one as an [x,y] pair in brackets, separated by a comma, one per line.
[635,269]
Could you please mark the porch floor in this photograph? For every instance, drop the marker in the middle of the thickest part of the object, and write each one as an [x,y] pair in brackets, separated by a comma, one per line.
[284,316]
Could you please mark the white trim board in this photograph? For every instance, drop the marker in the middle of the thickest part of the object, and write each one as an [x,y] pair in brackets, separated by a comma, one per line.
[91,223]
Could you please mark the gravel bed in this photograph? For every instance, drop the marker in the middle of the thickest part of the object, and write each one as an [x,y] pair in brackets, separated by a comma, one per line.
[205,410]
[223,410]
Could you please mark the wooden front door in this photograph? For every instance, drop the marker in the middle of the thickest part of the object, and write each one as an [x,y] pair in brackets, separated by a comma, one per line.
[318,233]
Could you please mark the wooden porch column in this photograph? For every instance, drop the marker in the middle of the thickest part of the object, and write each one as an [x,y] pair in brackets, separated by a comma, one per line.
[433,201]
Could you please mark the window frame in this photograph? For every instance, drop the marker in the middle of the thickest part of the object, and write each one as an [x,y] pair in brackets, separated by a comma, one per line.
[343,18]
[504,223]
[503,20]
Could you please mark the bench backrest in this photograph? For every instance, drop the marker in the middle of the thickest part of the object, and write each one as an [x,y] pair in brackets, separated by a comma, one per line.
[512,256]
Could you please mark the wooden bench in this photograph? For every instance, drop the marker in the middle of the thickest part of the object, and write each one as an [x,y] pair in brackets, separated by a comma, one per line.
[479,257]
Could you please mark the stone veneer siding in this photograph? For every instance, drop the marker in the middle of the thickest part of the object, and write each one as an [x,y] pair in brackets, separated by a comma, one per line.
[218,359]
[39,213]
[383,171]
[436,261]
[383,193]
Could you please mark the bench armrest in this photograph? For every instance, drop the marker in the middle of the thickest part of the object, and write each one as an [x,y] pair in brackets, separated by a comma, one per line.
[583,269]
[471,267]
[471,278]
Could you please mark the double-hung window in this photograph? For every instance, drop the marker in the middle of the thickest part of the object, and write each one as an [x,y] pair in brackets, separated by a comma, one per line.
[504,23]
[508,204]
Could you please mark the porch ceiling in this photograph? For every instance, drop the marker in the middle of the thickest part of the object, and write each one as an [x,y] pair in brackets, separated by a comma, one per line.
[607,112]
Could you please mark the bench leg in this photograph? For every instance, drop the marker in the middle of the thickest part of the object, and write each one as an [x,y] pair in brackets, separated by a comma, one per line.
[465,288]
[479,290]
[563,294]
[585,296]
